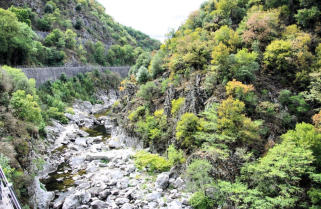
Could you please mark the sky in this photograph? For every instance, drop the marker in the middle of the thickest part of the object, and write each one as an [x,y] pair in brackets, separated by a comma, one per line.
[153,17]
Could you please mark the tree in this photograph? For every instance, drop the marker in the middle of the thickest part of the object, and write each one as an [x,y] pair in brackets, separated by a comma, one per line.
[16,39]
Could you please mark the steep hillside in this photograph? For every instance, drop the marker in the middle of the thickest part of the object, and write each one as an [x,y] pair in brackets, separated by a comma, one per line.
[237,88]
[68,32]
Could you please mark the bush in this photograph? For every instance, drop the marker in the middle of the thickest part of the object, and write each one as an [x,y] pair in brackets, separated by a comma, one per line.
[142,75]
[54,113]
[152,162]
[177,105]
[174,156]
[295,103]
[156,64]
[186,127]
[136,114]
[198,175]
[44,23]
[56,38]
[148,91]
[8,171]
[70,39]
[26,107]
[200,201]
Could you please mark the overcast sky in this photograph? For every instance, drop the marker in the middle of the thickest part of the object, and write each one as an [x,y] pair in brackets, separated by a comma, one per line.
[153,17]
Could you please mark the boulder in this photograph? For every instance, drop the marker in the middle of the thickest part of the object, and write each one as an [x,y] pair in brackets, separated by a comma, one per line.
[98,204]
[162,180]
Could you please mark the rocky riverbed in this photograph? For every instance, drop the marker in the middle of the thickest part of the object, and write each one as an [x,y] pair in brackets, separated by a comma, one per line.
[90,165]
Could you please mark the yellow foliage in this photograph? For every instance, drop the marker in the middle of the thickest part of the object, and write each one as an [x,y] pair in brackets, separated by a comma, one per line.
[234,87]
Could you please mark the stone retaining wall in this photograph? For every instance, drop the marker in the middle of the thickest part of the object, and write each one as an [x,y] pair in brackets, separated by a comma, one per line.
[41,75]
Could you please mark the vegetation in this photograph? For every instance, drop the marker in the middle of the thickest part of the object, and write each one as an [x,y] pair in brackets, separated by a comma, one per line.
[239,83]
[20,45]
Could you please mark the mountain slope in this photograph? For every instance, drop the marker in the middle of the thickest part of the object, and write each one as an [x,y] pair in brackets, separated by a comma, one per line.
[90,33]
[237,89]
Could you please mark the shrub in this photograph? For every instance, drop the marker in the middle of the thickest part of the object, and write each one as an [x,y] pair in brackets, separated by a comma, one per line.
[295,103]
[26,107]
[135,114]
[177,105]
[200,201]
[54,113]
[152,162]
[186,127]
[148,91]
[174,156]
[50,7]
[156,64]
[142,75]
[198,175]
[70,39]
[267,109]
[78,25]
[4,163]
[261,26]
[56,38]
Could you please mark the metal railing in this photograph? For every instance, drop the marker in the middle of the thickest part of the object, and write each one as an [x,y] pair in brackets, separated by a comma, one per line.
[12,196]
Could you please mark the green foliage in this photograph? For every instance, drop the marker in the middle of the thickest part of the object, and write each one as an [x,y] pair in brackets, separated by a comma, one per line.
[277,55]
[198,175]
[186,128]
[148,91]
[295,103]
[135,114]
[156,64]
[234,125]
[175,156]
[26,107]
[50,7]
[277,176]
[306,136]
[23,14]
[56,38]
[54,113]
[99,53]
[70,38]
[18,80]
[151,162]
[177,105]
[16,39]
[200,201]
[308,16]
[153,128]
[142,75]
[8,171]
[121,55]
